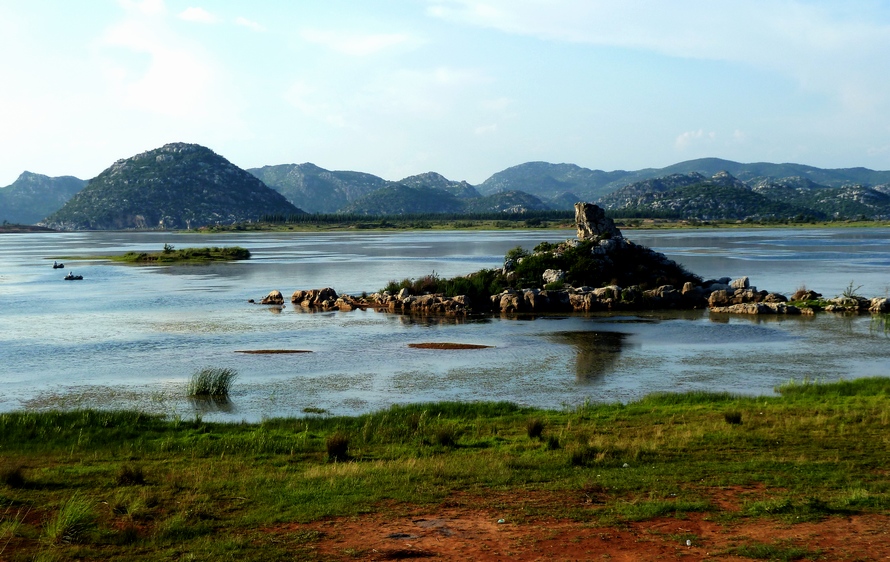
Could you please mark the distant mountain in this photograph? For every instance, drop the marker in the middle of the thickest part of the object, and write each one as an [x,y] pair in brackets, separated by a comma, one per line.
[547,181]
[505,202]
[550,181]
[722,196]
[459,189]
[316,190]
[398,199]
[34,196]
[176,186]
[758,170]
[564,201]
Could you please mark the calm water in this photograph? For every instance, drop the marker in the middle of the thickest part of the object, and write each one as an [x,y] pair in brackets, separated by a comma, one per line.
[130,336]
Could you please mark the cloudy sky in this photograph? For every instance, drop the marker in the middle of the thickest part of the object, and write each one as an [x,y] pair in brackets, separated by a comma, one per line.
[465,88]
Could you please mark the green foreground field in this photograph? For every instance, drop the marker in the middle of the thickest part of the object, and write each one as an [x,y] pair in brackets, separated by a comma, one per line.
[127,486]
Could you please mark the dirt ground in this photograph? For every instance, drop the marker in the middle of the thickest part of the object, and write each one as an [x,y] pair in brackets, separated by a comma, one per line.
[460,531]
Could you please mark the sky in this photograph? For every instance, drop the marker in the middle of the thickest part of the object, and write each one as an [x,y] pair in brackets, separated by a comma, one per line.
[465,88]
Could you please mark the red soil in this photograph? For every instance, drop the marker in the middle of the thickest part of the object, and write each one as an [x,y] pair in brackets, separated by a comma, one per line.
[464,531]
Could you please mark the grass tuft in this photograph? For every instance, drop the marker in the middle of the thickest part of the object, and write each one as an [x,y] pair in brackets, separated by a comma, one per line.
[337,446]
[129,476]
[445,436]
[534,428]
[212,382]
[73,522]
[13,476]
[733,418]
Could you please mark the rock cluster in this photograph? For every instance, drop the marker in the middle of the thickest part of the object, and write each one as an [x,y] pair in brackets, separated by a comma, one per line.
[327,299]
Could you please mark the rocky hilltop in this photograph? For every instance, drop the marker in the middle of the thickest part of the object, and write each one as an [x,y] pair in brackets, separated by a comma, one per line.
[33,196]
[177,186]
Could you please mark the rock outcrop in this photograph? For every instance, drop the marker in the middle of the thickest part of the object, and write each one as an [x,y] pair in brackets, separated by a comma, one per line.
[593,224]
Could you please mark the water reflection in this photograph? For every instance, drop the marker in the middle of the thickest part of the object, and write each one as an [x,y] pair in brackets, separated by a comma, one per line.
[596,353]
[212,405]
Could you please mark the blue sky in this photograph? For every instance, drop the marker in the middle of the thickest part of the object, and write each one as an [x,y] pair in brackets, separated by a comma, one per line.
[465,88]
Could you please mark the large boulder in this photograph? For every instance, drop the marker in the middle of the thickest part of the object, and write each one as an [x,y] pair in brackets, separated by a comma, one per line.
[553,276]
[274,297]
[593,224]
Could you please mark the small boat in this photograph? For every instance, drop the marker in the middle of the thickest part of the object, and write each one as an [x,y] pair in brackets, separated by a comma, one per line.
[72,277]
[57,265]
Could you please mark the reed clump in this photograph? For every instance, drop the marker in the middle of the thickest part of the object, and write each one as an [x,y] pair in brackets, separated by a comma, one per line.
[212,382]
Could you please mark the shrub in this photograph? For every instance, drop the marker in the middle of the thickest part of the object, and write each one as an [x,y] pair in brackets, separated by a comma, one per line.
[211,383]
[553,443]
[338,447]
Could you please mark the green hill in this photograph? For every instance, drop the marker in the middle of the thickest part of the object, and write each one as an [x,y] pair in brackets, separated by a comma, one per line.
[177,186]
[316,190]
[33,196]
[398,199]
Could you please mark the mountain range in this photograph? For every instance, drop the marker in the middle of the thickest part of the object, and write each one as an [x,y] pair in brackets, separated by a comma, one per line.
[185,186]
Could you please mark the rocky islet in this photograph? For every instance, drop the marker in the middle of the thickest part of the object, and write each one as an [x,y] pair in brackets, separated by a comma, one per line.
[608,247]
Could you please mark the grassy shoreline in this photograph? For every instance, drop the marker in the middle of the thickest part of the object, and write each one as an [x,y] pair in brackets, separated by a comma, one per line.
[153,488]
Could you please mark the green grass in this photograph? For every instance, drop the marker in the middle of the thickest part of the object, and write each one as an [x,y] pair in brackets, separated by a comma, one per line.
[779,550]
[127,486]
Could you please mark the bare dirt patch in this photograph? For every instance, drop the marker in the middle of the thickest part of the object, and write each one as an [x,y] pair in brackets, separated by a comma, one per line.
[459,531]
[443,345]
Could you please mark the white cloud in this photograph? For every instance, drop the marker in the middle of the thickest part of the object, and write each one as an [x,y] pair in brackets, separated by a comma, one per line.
[356,44]
[249,24]
[486,129]
[198,15]
[693,138]
[835,49]
[150,69]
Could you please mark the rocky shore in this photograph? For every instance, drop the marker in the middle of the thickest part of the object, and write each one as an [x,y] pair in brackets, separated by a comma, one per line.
[606,254]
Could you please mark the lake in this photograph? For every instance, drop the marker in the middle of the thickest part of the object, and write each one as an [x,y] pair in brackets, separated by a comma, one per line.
[130,336]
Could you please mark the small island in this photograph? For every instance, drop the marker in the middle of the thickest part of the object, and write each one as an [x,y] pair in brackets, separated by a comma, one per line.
[170,255]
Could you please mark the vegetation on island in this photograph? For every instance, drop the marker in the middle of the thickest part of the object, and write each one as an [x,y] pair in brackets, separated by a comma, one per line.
[129,486]
[635,268]
[184,255]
